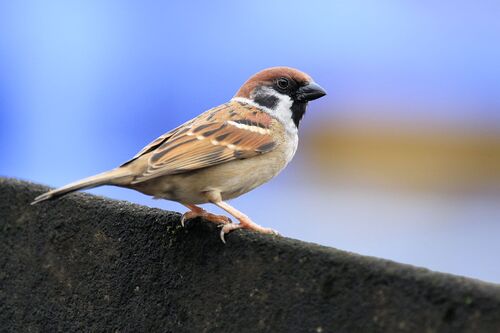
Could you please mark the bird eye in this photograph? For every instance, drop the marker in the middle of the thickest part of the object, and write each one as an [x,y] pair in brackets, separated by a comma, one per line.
[283,83]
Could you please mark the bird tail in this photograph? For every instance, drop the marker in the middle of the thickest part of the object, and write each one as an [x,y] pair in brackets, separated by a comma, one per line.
[112,177]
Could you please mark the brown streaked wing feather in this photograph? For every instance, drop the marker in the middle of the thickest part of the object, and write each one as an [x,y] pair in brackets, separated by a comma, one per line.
[231,131]
[158,141]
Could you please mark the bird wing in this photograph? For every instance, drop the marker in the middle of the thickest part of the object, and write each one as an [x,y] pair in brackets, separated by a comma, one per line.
[157,142]
[231,131]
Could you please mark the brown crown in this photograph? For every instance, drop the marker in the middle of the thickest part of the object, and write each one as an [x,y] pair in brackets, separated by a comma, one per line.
[268,76]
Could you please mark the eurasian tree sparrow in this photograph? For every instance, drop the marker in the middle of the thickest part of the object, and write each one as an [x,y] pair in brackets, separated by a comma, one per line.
[221,154]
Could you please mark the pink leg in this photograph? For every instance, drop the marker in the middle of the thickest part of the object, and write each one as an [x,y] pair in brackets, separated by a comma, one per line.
[196,211]
[245,221]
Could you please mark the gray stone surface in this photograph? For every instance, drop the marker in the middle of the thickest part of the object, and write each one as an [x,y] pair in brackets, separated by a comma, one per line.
[85,263]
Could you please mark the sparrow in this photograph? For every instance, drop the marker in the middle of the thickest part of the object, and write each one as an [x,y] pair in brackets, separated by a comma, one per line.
[222,153]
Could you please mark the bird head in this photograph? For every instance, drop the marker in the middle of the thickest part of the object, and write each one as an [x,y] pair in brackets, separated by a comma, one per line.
[282,91]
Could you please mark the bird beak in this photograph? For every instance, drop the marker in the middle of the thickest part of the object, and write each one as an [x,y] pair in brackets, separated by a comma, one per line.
[310,92]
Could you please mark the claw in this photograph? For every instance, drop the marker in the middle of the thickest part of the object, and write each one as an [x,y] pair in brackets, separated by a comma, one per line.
[187,216]
[227,228]
[222,233]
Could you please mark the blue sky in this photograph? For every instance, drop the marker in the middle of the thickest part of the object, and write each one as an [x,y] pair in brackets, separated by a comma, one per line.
[112,75]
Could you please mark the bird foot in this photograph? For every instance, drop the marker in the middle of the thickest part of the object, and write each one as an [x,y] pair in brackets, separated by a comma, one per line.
[217,219]
[227,228]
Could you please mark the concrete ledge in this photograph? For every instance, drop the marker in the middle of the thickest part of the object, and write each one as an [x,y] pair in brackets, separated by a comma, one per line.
[85,263]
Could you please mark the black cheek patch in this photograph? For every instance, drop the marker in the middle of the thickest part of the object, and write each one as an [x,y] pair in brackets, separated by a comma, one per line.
[267,101]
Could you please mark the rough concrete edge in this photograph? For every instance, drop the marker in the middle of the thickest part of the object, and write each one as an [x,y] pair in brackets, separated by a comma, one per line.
[389,267]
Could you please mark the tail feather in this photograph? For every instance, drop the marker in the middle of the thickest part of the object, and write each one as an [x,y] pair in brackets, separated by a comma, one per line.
[112,177]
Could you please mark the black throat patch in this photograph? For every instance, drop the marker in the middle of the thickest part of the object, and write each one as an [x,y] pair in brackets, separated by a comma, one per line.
[266,100]
[298,111]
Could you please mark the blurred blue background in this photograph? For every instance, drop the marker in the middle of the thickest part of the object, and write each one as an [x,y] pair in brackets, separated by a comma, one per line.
[400,160]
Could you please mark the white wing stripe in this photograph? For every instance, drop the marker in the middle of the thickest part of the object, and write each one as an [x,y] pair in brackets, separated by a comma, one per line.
[250,128]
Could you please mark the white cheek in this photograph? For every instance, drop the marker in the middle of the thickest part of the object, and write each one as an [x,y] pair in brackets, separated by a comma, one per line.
[282,111]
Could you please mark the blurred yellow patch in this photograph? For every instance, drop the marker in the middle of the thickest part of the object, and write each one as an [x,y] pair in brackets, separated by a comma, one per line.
[414,155]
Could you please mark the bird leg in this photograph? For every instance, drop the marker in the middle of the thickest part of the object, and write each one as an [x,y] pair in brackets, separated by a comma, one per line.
[196,211]
[245,222]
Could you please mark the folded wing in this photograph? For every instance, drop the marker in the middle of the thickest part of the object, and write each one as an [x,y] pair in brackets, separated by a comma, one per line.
[231,131]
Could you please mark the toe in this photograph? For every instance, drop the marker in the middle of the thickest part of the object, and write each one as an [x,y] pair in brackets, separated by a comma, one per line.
[187,216]
[268,231]
[218,219]
[227,228]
